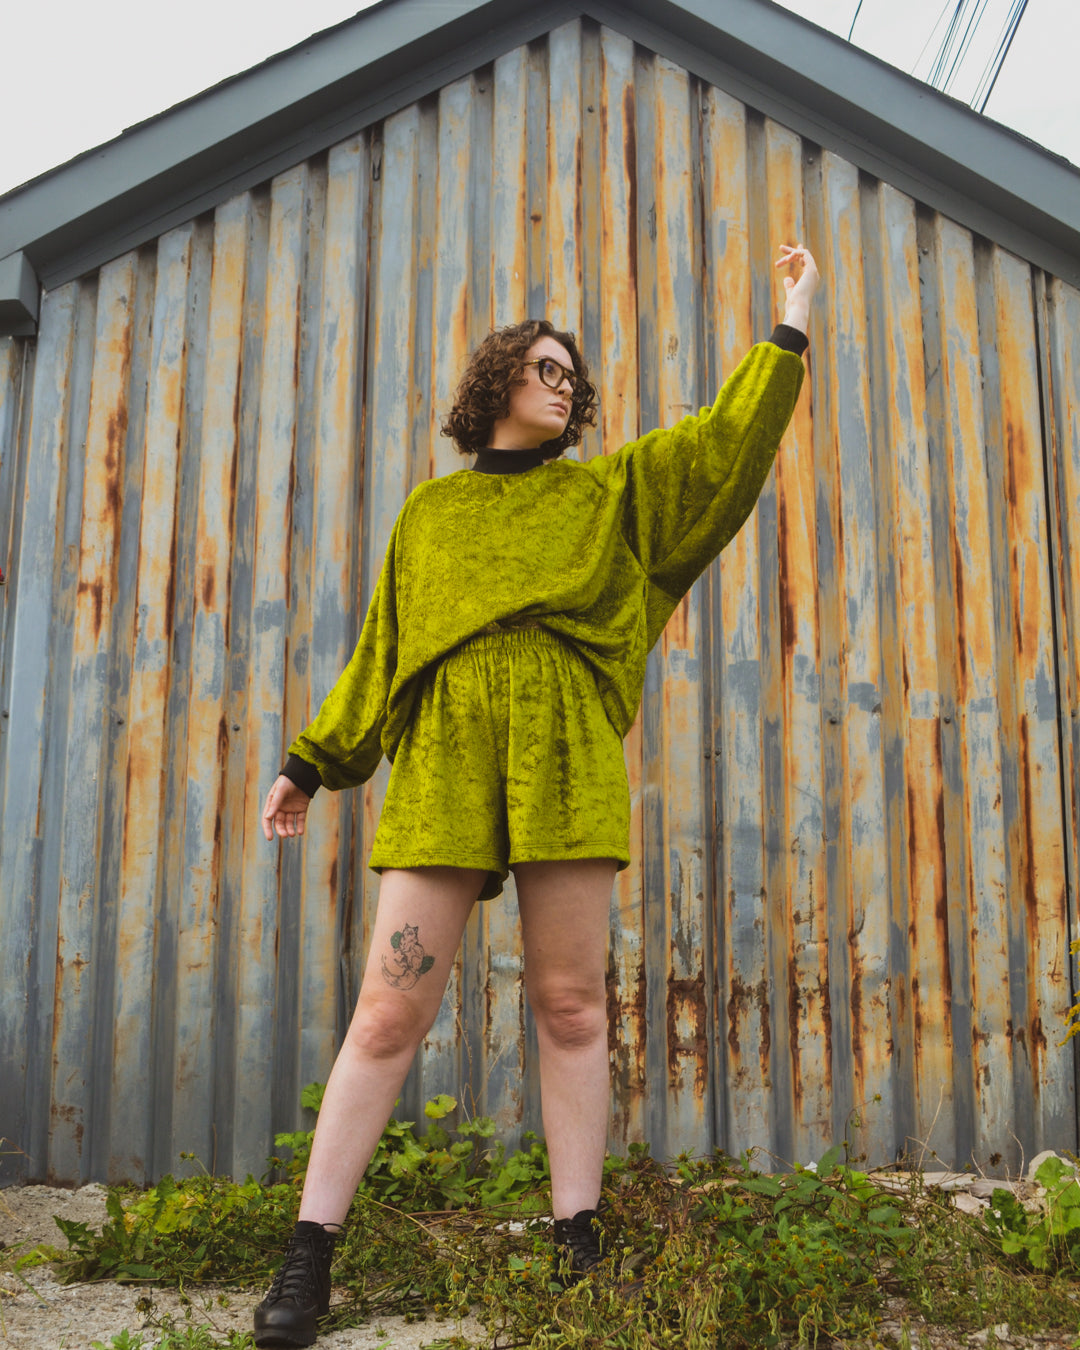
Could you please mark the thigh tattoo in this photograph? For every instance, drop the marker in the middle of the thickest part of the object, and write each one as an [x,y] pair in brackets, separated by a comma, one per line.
[409,960]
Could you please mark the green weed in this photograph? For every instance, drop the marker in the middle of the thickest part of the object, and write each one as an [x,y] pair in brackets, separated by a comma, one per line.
[700,1254]
[173,1338]
[1049,1238]
[435,1171]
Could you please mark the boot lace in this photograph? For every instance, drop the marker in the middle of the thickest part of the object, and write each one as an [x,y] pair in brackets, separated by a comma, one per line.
[579,1239]
[297,1277]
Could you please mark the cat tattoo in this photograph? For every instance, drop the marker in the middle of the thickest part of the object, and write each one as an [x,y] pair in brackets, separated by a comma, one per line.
[409,960]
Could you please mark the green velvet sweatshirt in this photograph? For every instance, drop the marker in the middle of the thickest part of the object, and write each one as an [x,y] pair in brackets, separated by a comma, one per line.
[599,552]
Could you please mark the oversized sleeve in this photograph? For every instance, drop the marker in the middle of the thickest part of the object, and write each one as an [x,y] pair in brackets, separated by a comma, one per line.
[687,489]
[343,744]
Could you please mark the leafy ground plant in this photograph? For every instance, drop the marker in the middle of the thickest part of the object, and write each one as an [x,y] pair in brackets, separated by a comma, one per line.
[1049,1236]
[173,1338]
[700,1253]
[442,1169]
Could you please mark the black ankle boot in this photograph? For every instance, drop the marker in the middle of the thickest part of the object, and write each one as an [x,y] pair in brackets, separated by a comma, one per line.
[577,1242]
[300,1294]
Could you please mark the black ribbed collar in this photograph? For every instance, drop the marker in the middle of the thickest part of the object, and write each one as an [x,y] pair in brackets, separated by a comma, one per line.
[509,461]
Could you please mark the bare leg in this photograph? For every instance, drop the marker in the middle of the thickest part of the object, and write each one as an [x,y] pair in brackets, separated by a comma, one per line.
[403,985]
[564,921]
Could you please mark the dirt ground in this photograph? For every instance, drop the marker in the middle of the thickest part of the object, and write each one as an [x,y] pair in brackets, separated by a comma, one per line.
[37,1311]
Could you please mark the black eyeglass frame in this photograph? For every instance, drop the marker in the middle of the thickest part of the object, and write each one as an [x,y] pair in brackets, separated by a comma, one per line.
[564,373]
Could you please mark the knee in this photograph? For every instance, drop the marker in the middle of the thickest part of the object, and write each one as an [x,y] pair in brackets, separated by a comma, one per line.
[384,1028]
[572,1019]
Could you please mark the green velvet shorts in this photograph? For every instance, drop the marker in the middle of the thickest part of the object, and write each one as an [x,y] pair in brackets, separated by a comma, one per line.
[508,757]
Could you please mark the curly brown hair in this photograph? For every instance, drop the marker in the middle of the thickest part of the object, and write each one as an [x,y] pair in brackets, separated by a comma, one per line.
[483,396]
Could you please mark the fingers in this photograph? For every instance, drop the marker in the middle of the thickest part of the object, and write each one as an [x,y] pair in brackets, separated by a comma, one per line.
[795,253]
[277,814]
[269,811]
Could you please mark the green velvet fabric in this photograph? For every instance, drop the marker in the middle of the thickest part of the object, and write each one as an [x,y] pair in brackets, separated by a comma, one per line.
[600,553]
[509,756]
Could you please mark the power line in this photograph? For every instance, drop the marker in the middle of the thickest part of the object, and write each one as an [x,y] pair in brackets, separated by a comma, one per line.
[937,23]
[954,48]
[1012,23]
[852,28]
[937,68]
[974,19]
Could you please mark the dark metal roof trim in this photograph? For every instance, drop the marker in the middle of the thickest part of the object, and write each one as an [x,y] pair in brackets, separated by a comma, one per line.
[243,131]
[19,297]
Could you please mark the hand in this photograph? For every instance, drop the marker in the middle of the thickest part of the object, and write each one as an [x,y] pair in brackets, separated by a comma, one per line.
[285,809]
[801,291]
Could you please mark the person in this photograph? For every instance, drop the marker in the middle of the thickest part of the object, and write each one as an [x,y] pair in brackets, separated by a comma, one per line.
[500,664]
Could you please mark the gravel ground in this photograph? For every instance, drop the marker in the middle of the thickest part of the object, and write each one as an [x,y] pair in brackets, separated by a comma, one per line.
[37,1311]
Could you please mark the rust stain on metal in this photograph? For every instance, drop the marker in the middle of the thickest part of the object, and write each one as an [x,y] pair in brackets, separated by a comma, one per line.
[222,740]
[825,1005]
[1030,889]
[765,1045]
[170,589]
[677,635]
[1031,899]
[579,214]
[1027,567]
[856,1004]
[627,1037]
[115,435]
[96,591]
[941,916]
[740,1000]
[687,1035]
[630,165]
[794,1010]
[959,615]
[788,629]
[68,1114]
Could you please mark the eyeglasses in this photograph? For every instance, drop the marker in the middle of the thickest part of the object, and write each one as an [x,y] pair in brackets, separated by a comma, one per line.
[552,372]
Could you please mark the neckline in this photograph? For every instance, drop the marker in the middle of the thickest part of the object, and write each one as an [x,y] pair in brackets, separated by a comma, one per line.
[509,461]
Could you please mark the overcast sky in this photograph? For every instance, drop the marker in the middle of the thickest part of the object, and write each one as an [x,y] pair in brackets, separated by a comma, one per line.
[77,74]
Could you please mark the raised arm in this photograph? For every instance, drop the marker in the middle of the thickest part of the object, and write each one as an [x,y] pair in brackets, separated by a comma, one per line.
[687,489]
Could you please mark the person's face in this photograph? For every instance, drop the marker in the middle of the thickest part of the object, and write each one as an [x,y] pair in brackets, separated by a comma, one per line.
[538,410]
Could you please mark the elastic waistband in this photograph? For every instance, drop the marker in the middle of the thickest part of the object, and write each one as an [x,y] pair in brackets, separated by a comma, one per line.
[527,635]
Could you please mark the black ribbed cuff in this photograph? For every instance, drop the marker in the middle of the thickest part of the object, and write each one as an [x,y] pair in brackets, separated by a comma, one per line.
[304,775]
[790,339]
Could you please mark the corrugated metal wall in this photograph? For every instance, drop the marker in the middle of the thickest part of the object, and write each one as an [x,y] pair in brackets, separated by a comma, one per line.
[855,812]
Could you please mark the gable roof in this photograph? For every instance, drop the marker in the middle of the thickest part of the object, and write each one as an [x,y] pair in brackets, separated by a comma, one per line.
[248,128]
